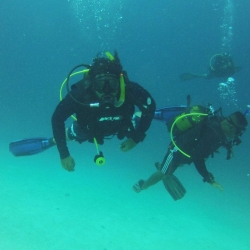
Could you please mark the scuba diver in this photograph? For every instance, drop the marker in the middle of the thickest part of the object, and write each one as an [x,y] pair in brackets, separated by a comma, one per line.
[221,66]
[103,103]
[195,135]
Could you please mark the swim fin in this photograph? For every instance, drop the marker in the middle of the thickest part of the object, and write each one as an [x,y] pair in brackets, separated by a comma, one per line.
[174,187]
[167,113]
[189,76]
[30,146]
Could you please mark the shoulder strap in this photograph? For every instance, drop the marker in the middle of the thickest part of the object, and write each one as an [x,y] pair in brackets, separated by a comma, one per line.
[83,87]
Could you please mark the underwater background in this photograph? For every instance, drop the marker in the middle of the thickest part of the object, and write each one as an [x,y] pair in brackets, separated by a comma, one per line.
[45,207]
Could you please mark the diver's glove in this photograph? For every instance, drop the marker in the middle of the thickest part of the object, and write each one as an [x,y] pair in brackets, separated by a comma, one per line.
[128,145]
[209,178]
[68,163]
[138,137]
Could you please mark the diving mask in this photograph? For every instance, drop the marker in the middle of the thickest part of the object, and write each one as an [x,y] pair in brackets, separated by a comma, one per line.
[238,129]
[106,83]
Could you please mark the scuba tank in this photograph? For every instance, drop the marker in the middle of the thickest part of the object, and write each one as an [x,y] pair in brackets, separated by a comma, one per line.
[188,119]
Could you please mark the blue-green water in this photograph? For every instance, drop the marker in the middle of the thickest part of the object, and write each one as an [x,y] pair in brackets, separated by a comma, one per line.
[45,207]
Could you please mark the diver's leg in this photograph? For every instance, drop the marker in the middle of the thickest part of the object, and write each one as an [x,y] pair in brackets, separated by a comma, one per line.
[167,165]
[152,180]
[157,176]
[165,168]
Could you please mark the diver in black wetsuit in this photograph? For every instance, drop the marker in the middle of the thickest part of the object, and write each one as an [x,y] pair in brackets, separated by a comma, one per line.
[198,143]
[107,84]
[221,66]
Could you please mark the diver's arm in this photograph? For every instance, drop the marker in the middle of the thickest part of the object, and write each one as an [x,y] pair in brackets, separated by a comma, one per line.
[207,177]
[144,101]
[206,144]
[200,165]
[63,110]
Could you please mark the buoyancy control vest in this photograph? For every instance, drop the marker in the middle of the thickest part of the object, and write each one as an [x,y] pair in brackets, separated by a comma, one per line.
[192,116]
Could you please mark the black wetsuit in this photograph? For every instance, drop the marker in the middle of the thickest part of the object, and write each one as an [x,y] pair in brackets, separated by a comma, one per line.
[100,122]
[223,67]
[199,142]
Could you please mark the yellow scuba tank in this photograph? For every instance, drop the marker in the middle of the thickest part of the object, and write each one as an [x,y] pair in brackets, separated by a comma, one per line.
[186,120]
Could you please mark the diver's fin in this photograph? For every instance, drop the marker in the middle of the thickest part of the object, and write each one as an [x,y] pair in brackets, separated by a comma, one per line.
[189,76]
[30,146]
[174,186]
[165,114]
